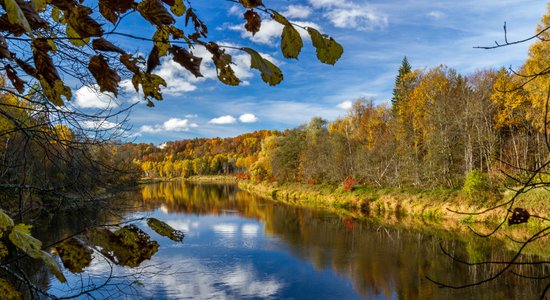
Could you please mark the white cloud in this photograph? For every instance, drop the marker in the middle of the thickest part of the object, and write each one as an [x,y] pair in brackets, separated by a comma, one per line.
[436,14]
[173,124]
[346,14]
[297,11]
[190,116]
[90,97]
[178,79]
[345,105]
[100,125]
[223,120]
[248,118]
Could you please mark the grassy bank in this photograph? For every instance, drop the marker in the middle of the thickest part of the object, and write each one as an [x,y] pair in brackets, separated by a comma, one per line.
[436,204]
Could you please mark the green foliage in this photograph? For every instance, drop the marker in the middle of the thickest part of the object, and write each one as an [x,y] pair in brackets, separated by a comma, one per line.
[164,229]
[74,254]
[476,183]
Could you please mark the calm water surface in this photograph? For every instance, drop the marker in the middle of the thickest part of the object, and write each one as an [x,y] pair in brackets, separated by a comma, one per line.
[238,246]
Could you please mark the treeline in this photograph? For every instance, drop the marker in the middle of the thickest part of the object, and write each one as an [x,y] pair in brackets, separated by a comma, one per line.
[186,158]
[440,127]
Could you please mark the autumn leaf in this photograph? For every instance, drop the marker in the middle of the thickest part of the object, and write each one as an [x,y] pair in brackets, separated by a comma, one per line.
[253,21]
[200,27]
[15,15]
[165,230]
[518,216]
[187,60]
[251,3]
[106,78]
[291,42]
[271,74]
[132,63]
[178,8]
[110,10]
[161,39]
[102,44]
[30,70]
[20,236]
[80,20]
[52,264]
[155,12]
[153,60]
[39,5]
[17,83]
[43,61]
[223,61]
[4,52]
[5,221]
[328,50]
[75,38]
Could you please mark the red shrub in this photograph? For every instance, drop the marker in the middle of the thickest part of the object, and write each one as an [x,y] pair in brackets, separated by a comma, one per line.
[348,184]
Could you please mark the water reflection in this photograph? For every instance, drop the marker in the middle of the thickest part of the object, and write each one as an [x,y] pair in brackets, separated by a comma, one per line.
[378,261]
[238,246]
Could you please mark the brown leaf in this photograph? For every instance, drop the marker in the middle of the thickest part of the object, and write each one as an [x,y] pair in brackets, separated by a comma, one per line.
[106,78]
[251,3]
[43,61]
[199,26]
[80,20]
[35,21]
[169,2]
[110,9]
[131,62]
[18,84]
[153,60]
[155,12]
[223,62]
[518,216]
[14,29]
[187,60]
[102,44]
[64,4]
[253,21]
[4,52]
[26,67]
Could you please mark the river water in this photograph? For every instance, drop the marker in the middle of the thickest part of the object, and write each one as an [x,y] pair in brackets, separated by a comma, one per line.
[239,246]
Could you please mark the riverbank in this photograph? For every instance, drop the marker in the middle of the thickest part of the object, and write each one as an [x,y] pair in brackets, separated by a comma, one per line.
[437,204]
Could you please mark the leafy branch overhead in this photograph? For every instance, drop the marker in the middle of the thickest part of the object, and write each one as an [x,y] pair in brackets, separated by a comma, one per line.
[44,26]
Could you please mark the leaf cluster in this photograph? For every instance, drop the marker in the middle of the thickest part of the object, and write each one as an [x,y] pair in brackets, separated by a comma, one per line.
[43,26]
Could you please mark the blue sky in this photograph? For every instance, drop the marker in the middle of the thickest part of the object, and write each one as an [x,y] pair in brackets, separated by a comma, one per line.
[375,36]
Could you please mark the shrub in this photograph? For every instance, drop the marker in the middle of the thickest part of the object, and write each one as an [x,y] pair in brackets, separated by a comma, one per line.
[478,188]
[348,184]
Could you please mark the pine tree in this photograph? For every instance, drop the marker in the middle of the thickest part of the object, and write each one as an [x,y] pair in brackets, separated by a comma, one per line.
[404,69]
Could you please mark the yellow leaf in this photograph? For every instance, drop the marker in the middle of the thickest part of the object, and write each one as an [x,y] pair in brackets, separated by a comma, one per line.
[328,50]
[75,38]
[15,15]
[178,8]
[271,74]
[52,264]
[5,221]
[21,237]
[39,5]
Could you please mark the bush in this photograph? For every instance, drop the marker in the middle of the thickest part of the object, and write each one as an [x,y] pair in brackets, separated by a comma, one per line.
[478,188]
[348,184]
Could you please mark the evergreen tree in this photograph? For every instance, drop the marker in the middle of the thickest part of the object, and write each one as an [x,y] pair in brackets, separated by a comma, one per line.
[404,69]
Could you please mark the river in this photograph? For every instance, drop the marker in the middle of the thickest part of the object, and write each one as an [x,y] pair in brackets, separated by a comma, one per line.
[239,246]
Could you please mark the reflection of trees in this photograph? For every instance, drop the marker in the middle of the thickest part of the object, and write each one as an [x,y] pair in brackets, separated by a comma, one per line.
[378,260]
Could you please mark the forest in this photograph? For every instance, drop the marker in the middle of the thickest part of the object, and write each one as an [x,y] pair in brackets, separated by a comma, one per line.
[440,128]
